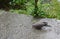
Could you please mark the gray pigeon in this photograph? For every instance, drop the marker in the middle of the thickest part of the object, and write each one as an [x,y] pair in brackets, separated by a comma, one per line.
[39,26]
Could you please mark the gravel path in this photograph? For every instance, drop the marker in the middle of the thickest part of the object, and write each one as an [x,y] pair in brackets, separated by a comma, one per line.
[15,26]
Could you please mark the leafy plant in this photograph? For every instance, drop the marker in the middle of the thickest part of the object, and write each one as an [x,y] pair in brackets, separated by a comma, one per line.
[50,9]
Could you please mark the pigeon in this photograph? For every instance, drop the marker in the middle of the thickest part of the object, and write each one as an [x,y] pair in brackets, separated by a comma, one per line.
[40,25]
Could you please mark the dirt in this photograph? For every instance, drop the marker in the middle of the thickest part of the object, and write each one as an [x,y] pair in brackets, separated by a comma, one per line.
[19,26]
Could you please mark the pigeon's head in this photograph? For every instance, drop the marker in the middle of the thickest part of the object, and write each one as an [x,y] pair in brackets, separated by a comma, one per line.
[45,23]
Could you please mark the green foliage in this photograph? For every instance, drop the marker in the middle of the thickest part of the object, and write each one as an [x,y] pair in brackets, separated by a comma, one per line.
[18,11]
[18,2]
[41,13]
[44,10]
[29,8]
[54,9]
